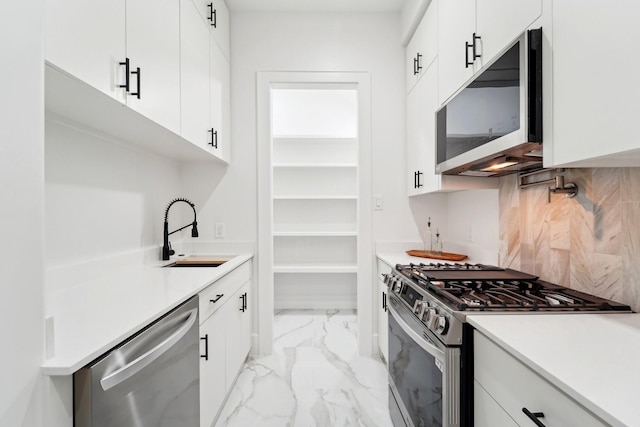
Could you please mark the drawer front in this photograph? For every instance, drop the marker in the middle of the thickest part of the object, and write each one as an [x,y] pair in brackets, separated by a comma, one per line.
[214,297]
[514,386]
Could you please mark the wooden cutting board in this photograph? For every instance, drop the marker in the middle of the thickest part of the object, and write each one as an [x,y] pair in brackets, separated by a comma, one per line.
[447,256]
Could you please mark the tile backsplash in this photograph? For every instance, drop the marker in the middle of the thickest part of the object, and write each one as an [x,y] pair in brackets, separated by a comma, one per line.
[590,242]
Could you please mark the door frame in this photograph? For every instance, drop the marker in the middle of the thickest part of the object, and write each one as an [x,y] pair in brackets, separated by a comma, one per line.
[265,290]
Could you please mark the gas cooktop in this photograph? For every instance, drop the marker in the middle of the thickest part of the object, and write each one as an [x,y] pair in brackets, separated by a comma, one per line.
[482,287]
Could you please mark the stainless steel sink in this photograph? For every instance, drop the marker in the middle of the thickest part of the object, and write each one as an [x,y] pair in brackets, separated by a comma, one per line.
[198,261]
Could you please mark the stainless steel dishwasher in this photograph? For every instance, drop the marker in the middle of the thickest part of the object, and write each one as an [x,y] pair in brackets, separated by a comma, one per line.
[152,379]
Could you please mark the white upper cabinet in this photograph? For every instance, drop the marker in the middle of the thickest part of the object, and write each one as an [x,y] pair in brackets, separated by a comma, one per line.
[472,32]
[216,14]
[596,98]
[87,40]
[422,104]
[501,21]
[423,47]
[220,103]
[456,25]
[194,76]
[153,46]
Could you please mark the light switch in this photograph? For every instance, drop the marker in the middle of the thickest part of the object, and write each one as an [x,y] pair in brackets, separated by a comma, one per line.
[377,203]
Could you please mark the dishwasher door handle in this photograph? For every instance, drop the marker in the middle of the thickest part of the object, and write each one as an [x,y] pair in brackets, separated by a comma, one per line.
[141,362]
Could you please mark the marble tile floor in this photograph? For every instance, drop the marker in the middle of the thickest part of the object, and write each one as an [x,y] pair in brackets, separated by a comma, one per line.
[314,378]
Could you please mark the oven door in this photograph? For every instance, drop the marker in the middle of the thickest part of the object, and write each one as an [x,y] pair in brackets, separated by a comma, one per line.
[423,373]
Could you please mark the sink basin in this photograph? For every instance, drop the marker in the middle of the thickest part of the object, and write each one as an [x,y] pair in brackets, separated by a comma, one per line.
[198,261]
[196,264]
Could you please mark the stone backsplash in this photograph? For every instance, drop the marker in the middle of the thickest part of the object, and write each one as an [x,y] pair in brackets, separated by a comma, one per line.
[590,242]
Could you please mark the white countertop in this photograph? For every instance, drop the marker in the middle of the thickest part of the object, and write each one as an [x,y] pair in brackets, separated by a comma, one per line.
[96,314]
[594,358]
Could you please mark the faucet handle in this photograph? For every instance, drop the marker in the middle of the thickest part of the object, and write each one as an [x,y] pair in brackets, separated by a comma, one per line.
[171,251]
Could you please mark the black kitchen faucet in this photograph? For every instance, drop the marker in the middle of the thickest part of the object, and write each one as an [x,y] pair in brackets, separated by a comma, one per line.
[166,247]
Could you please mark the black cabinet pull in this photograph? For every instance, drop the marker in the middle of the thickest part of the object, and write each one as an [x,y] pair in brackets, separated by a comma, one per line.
[415,66]
[214,138]
[475,54]
[418,67]
[212,15]
[533,416]
[415,180]
[217,298]
[206,346]
[125,86]
[418,183]
[243,298]
[466,55]
[384,301]
[137,73]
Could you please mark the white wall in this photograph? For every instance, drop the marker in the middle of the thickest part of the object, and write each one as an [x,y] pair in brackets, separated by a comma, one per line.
[21,212]
[104,198]
[313,42]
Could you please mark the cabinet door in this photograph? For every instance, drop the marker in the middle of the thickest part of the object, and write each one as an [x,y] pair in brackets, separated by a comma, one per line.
[456,25]
[221,30]
[487,412]
[194,76]
[212,369]
[412,51]
[413,140]
[220,101]
[595,95]
[499,22]
[238,318]
[428,105]
[87,39]
[383,321]
[153,45]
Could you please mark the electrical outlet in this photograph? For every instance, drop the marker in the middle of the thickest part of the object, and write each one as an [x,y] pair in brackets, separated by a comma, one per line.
[469,234]
[219,230]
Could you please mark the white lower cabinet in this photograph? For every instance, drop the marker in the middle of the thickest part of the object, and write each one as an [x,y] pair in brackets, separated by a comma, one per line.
[238,333]
[504,387]
[225,335]
[383,320]
[212,367]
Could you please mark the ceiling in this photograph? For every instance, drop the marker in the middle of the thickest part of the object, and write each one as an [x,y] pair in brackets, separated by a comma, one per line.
[317,5]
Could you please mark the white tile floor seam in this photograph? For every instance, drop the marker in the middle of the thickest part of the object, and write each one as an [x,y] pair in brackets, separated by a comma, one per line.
[314,378]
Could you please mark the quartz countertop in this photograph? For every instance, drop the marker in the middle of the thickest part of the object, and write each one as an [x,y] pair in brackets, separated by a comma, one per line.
[89,318]
[593,358]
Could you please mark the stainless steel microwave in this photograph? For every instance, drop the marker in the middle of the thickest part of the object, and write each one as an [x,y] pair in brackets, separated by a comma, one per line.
[493,126]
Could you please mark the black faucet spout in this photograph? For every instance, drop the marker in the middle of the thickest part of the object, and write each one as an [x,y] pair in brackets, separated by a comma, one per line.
[166,245]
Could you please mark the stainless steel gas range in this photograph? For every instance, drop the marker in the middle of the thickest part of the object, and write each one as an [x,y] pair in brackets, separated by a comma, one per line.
[431,345]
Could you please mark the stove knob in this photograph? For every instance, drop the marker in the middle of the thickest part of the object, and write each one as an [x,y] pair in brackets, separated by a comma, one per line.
[440,325]
[429,314]
[385,278]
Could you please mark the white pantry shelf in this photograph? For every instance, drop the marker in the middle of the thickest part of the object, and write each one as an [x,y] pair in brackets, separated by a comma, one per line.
[315,233]
[315,165]
[316,268]
[319,197]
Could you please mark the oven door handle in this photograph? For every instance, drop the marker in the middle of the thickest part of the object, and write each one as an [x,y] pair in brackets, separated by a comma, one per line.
[420,340]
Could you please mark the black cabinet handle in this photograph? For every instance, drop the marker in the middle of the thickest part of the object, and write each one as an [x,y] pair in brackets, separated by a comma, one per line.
[475,54]
[533,416]
[137,73]
[243,307]
[418,67]
[384,301]
[206,346]
[415,180]
[125,86]
[418,183]
[466,55]
[415,66]
[217,298]
[214,138]
[212,15]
